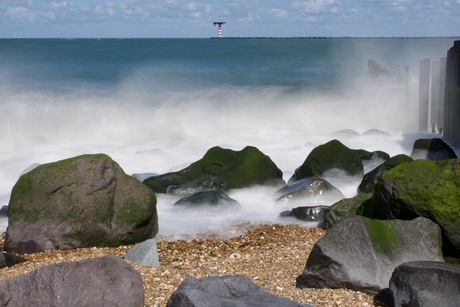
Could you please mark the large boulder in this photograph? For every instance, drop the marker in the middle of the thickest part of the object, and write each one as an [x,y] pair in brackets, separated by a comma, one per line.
[369,180]
[421,188]
[329,156]
[106,281]
[79,202]
[432,149]
[426,283]
[219,169]
[361,254]
[347,207]
[230,290]
[307,191]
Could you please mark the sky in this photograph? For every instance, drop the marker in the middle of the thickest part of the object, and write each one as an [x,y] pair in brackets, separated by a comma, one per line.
[244,18]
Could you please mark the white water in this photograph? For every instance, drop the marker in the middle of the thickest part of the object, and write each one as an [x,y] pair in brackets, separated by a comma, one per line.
[150,132]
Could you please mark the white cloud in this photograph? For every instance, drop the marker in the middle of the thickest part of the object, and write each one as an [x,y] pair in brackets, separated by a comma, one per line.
[242,16]
[20,14]
[313,6]
[278,13]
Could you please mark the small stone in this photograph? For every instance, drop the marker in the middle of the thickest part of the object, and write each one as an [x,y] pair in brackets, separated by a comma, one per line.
[235,256]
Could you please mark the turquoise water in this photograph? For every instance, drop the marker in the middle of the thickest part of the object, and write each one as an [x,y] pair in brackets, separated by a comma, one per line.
[157,105]
[59,64]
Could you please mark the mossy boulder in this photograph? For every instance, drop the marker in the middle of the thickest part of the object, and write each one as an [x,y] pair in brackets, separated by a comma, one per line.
[369,180]
[79,202]
[421,188]
[344,208]
[332,155]
[432,149]
[220,169]
[361,254]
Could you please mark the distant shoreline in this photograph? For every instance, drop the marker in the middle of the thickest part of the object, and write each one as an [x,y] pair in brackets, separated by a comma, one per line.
[333,37]
[233,37]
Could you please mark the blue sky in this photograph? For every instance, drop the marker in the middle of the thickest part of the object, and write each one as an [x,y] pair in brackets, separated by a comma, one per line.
[176,18]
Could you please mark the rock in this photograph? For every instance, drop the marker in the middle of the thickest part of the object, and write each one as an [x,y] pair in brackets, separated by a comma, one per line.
[142,176]
[344,208]
[369,180]
[421,188]
[426,283]
[345,133]
[144,253]
[361,254]
[309,214]
[105,281]
[237,290]
[332,155]
[219,169]
[375,132]
[377,71]
[432,149]
[373,159]
[79,202]
[308,190]
[4,211]
[9,260]
[207,198]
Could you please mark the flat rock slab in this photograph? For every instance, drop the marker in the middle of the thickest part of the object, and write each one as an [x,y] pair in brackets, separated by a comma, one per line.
[106,281]
[230,290]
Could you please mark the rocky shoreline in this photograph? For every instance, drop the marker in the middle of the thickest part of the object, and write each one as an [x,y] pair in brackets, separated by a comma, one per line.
[270,255]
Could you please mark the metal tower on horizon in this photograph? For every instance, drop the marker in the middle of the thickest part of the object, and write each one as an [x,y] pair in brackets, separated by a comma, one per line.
[219,23]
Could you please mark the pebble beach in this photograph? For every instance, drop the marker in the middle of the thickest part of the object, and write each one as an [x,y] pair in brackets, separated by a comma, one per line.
[271,255]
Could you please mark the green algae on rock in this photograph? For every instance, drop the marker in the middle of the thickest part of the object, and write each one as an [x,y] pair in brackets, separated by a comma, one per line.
[424,188]
[78,202]
[220,169]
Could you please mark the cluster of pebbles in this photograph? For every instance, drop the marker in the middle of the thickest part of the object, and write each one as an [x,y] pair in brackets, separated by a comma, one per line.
[271,255]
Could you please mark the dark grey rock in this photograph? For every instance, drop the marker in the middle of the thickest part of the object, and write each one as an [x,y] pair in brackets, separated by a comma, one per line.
[309,214]
[361,254]
[106,281]
[207,198]
[79,202]
[307,191]
[426,283]
[9,260]
[432,149]
[4,211]
[234,291]
[144,253]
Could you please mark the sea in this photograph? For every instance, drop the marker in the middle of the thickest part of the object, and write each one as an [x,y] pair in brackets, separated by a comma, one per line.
[157,105]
